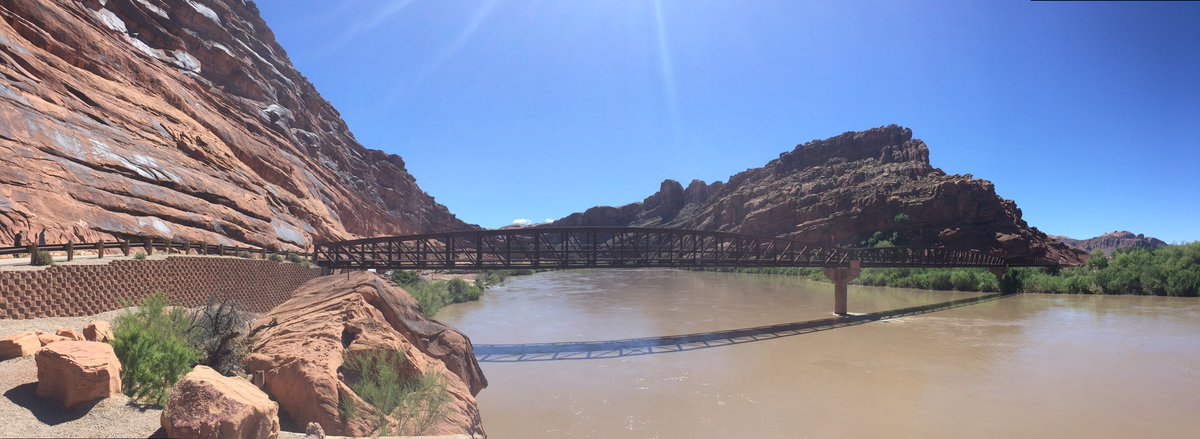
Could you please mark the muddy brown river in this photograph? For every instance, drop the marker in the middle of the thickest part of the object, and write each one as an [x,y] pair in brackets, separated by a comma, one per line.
[1022,366]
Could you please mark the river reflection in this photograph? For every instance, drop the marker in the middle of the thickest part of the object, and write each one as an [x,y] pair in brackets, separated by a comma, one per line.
[1029,366]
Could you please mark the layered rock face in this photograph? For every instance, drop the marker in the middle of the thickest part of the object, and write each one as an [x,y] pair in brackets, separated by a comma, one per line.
[184,120]
[840,191]
[302,346]
[1110,242]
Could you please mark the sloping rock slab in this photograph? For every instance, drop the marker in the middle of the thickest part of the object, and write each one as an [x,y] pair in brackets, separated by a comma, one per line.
[75,372]
[20,345]
[301,344]
[206,404]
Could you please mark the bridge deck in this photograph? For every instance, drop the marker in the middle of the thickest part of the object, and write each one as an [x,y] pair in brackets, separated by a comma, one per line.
[626,247]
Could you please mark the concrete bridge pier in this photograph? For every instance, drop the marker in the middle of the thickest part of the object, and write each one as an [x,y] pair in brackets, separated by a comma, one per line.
[841,277]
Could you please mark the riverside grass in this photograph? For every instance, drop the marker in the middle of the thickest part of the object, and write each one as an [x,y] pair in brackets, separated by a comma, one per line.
[432,296]
[1165,271]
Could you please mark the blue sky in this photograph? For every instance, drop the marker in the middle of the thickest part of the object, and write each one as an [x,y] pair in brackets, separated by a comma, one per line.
[1087,114]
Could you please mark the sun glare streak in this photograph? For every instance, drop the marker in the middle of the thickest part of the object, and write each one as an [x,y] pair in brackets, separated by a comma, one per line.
[665,68]
[468,31]
[368,24]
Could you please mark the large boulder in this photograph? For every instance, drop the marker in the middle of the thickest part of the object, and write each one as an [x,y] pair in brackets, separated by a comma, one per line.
[20,345]
[98,330]
[75,372]
[301,346]
[206,404]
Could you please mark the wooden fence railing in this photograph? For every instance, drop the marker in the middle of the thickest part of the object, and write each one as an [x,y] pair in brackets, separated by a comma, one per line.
[148,245]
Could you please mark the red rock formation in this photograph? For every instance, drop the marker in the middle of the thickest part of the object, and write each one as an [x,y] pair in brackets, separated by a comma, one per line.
[205,404]
[180,119]
[1110,242]
[75,372]
[302,344]
[841,191]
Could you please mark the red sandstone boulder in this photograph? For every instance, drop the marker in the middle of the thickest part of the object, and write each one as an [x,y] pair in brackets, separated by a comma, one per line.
[205,404]
[70,334]
[98,330]
[75,372]
[301,346]
[46,339]
[20,345]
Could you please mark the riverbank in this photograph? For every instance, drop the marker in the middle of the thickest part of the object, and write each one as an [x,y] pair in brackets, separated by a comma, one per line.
[1167,271]
[436,289]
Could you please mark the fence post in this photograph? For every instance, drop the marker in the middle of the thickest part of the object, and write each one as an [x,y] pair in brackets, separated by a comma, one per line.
[148,245]
[204,248]
[70,251]
[125,247]
[220,249]
[187,246]
[32,252]
[100,249]
[263,250]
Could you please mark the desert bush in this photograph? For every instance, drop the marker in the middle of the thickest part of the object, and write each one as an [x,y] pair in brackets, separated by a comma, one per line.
[218,333]
[415,402]
[405,277]
[140,256]
[461,291]
[152,344]
[275,257]
[244,254]
[42,258]
[296,259]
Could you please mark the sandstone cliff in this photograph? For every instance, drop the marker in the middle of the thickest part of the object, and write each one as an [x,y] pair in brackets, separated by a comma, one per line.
[1110,242]
[841,191]
[181,119]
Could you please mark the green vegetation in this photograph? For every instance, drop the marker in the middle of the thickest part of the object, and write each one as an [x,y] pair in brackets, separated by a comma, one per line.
[275,257]
[244,254]
[140,256]
[1166,271]
[432,296]
[415,403]
[152,345]
[42,258]
[296,259]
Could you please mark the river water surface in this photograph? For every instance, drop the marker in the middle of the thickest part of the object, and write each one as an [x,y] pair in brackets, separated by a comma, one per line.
[1022,366]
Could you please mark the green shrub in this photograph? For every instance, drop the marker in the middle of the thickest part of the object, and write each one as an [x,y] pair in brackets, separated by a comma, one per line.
[218,333]
[296,259]
[244,254]
[152,345]
[415,402]
[42,258]
[275,257]
[140,256]
[901,218]
[405,277]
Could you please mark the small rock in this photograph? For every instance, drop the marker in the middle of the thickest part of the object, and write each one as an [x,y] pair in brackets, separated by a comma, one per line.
[75,372]
[98,330]
[46,339]
[70,334]
[206,404]
[314,431]
[21,345]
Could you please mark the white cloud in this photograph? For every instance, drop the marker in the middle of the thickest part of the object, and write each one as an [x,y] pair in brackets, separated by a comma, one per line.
[522,222]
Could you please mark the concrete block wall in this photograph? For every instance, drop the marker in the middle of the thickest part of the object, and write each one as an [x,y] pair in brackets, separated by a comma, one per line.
[82,290]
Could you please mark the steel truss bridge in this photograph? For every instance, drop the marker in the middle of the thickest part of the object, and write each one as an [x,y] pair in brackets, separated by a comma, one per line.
[629,247]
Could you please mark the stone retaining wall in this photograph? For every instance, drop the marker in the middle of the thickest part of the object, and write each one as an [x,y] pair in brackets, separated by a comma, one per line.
[82,290]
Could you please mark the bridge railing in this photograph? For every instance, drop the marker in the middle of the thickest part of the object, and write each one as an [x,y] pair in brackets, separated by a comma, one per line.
[147,245]
[586,247]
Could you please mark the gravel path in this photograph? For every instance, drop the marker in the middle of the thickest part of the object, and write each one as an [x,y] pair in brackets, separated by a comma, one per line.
[51,324]
[26,415]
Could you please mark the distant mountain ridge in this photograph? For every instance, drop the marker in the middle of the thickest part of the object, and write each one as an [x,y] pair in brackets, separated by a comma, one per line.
[1113,241]
[841,191]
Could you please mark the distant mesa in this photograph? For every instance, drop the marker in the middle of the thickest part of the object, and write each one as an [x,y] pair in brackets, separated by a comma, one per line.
[1113,241]
[858,188]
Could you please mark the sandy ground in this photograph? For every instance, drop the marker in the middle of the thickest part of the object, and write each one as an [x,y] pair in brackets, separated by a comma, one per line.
[27,415]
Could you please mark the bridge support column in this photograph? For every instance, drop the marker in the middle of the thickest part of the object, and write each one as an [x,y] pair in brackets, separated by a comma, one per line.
[999,272]
[841,277]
